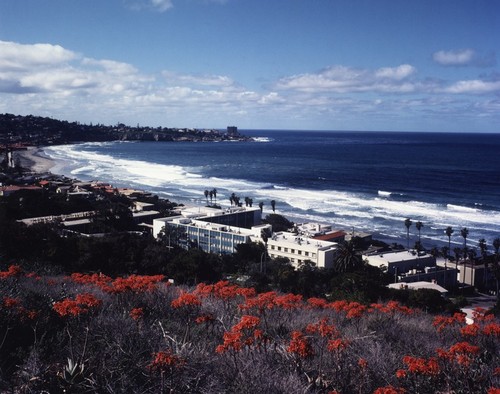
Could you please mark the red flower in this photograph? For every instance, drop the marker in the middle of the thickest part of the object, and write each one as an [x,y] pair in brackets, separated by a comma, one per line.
[166,360]
[389,390]
[470,330]
[10,302]
[137,313]
[300,345]
[13,270]
[186,299]
[362,363]
[338,344]
[81,304]
[204,319]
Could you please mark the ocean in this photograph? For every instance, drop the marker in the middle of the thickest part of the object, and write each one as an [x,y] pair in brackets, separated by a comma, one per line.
[356,181]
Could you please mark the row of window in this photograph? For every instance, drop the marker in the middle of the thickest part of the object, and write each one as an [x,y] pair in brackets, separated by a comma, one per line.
[292,251]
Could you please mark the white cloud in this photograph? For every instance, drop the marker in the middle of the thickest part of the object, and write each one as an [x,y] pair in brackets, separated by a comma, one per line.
[474,86]
[461,57]
[199,80]
[162,5]
[341,79]
[14,56]
[49,80]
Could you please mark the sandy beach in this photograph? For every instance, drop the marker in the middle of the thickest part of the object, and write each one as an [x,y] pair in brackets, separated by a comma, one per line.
[34,159]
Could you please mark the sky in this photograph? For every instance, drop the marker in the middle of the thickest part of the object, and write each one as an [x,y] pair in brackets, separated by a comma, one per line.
[383,65]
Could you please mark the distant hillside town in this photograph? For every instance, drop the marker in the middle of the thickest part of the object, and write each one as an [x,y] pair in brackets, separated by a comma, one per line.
[17,130]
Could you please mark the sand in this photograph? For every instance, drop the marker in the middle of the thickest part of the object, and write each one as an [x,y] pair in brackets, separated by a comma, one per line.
[34,159]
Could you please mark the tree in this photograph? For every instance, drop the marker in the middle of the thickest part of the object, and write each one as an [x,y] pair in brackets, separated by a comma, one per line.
[419,226]
[408,224]
[278,222]
[206,195]
[273,205]
[464,232]
[496,266]
[449,231]
[346,258]
[261,206]
[214,192]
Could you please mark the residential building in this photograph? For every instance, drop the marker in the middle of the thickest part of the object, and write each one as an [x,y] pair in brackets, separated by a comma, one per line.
[299,249]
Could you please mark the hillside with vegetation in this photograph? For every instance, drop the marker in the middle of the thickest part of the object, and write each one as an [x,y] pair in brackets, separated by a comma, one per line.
[96,333]
[36,130]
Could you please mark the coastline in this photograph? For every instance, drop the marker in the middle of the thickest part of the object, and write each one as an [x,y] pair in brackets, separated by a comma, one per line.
[34,159]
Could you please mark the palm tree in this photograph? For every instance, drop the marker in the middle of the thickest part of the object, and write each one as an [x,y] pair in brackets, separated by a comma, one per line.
[261,206]
[496,265]
[273,205]
[214,192]
[408,223]
[346,258]
[419,226]
[465,232]
[206,195]
[449,231]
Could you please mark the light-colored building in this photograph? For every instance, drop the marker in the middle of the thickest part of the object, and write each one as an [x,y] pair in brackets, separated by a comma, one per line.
[299,249]
[213,230]
[401,262]
[209,237]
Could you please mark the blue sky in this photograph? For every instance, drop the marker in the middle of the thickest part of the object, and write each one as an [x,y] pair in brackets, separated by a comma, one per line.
[275,64]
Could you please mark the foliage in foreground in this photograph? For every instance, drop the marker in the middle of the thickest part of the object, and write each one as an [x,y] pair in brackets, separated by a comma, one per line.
[94,333]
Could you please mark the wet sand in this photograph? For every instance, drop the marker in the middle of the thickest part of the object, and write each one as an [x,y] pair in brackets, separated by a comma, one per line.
[34,159]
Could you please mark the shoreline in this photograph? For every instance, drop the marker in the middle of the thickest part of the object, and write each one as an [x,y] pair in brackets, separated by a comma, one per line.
[34,159]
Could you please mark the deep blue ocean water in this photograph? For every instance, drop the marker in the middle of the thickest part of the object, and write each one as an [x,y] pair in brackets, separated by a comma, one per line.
[366,181]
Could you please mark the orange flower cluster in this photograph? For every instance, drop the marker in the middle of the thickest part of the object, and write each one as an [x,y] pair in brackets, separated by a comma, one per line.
[137,313]
[362,363]
[81,304]
[15,305]
[132,283]
[319,303]
[13,270]
[324,329]
[204,319]
[352,309]
[300,345]
[389,390]
[443,322]
[463,353]
[244,333]
[166,361]
[422,366]
[271,300]
[186,300]
[391,307]
[338,344]
[224,291]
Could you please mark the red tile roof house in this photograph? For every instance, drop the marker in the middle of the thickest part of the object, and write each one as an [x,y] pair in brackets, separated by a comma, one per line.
[8,190]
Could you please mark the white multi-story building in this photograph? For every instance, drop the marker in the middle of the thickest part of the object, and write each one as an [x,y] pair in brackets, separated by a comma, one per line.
[213,230]
[299,249]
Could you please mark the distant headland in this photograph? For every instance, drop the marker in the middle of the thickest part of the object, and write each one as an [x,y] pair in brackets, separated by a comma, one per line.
[17,131]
